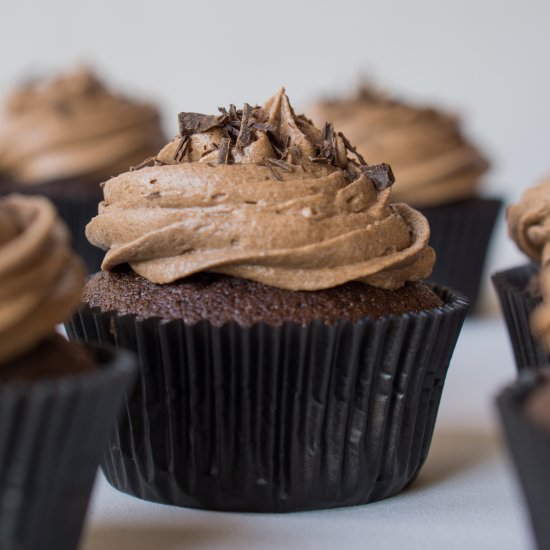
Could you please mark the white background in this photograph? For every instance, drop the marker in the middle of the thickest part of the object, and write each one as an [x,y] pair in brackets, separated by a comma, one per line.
[485,59]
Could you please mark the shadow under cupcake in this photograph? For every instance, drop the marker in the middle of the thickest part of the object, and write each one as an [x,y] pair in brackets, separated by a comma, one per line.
[290,356]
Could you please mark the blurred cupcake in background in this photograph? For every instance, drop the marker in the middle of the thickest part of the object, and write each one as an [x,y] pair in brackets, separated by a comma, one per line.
[58,400]
[62,136]
[524,408]
[438,170]
[524,291]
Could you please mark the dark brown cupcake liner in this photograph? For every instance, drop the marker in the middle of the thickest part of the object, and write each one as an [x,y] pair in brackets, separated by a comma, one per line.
[276,419]
[517,305]
[460,233]
[529,447]
[75,208]
[52,435]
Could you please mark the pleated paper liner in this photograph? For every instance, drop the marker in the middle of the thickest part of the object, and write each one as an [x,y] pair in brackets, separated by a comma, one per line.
[460,235]
[529,447]
[75,208]
[277,419]
[52,435]
[517,305]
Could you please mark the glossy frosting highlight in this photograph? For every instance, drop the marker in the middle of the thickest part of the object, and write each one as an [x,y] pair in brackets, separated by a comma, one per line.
[282,204]
[529,226]
[41,279]
[73,126]
[432,160]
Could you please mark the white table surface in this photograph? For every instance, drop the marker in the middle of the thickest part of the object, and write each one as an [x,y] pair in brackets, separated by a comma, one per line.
[465,498]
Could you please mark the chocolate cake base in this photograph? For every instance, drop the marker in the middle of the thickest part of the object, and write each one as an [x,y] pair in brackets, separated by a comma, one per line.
[274,418]
[220,299]
[52,358]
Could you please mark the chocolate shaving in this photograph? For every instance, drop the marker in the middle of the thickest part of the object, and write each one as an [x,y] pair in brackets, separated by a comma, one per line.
[246,135]
[179,155]
[223,152]
[153,195]
[264,127]
[287,167]
[193,123]
[352,149]
[381,175]
[327,149]
[150,161]
[274,172]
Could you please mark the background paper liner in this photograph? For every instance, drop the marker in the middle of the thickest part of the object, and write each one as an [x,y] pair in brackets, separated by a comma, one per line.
[517,304]
[52,435]
[529,447]
[76,209]
[460,234]
[271,419]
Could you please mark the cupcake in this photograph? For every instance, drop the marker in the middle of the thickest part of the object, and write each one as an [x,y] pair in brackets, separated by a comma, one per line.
[525,413]
[61,137]
[290,356]
[58,399]
[438,171]
[524,291]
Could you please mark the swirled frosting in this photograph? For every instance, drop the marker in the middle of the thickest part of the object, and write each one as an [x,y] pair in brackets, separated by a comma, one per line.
[529,227]
[261,193]
[73,126]
[41,279]
[432,160]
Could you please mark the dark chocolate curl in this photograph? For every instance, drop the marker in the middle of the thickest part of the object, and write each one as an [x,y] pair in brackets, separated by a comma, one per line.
[381,175]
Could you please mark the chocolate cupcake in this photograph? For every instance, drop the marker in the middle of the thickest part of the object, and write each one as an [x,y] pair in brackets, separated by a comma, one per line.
[438,171]
[58,399]
[525,413]
[290,356]
[61,137]
[524,291]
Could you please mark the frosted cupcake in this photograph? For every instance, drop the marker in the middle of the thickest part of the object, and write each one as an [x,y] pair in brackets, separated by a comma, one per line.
[290,355]
[524,291]
[438,171]
[58,400]
[61,137]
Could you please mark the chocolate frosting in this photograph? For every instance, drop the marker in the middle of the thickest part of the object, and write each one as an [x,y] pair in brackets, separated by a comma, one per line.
[432,160]
[41,279]
[262,194]
[529,226]
[73,126]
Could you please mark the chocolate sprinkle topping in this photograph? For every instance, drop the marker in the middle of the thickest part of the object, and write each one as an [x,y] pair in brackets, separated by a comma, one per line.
[381,175]
[223,152]
[193,123]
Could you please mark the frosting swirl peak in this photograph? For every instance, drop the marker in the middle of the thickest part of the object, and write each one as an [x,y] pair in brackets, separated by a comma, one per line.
[261,193]
[73,126]
[41,279]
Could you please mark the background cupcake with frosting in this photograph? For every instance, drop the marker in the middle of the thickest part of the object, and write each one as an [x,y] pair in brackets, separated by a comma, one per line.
[524,291]
[291,357]
[438,170]
[62,136]
[58,399]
